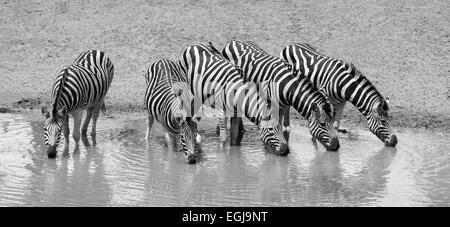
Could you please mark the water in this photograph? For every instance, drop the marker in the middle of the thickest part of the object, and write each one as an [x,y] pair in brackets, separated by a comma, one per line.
[122,170]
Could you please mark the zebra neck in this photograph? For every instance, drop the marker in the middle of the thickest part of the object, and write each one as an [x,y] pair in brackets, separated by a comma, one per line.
[300,94]
[57,100]
[253,110]
[362,94]
[250,102]
[172,108]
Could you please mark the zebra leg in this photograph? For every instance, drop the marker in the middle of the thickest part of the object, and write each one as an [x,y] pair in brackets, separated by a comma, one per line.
[76,128]
[95,114]
[236,132]
[149,126]
[222,119]
[171,142]
[87,119]
[286,124]
[338,109]
[66,131]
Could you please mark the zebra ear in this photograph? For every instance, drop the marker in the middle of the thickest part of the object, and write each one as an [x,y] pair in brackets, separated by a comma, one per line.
[328,108]
[62,112]
[177,91]
[382,106]
[289,66]
[316,110]
[386,104]
[196,118]
[241,73]
[179,118]
[45,112]
[147,75]
[268,103]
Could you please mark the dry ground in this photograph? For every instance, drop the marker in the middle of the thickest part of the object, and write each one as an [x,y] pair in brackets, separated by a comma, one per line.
[402,46]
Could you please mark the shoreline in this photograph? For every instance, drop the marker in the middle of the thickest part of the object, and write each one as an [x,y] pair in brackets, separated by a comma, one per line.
[351,117]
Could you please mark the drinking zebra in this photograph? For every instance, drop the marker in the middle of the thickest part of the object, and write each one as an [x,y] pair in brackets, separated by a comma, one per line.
[286,90]
[168,100]
[342,82]
[81,86]
[219,84]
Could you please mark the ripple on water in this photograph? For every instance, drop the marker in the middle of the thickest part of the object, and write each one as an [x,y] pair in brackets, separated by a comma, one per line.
[122,169]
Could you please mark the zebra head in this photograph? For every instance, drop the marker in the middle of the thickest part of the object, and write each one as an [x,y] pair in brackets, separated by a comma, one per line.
[378,121]
[271,136]
[52,129]
[321,125]
[190,138]
[270,133]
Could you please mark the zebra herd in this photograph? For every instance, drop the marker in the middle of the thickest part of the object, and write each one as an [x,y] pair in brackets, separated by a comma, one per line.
[242,80]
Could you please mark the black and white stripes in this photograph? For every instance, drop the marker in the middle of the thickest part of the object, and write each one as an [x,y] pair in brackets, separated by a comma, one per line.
[81,86]
[285,90]
[168,100]
[342,82]
[218,83]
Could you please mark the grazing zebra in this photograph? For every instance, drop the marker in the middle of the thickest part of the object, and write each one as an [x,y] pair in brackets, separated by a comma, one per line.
[285,90]
[219,84]
[81,86]
[168,99]
[342,82]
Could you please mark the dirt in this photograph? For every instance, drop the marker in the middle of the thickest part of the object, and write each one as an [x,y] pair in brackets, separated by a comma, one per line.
[403,47]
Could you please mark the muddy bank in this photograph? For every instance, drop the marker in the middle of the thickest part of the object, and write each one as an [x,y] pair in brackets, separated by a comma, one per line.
[403,118]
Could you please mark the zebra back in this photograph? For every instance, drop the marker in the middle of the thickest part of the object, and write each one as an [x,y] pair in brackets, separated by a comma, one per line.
[84,83]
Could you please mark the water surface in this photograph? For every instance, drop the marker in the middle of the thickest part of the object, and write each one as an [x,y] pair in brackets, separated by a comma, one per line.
[121,169]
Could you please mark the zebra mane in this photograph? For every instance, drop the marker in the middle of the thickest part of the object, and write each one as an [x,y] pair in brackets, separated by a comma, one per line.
[214,49]
[309,46]
[58,94]
[217,52]
[328,108]
[353,70]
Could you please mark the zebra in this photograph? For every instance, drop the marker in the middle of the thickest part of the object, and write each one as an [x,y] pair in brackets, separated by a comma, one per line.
[216,82]
[285,90]
[80,86]
[168,100]
[341,82]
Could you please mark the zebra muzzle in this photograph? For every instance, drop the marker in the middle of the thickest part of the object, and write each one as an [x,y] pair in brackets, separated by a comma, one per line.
[391,141]
[284,149]
[51,151]
[192,158]
[333,145]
